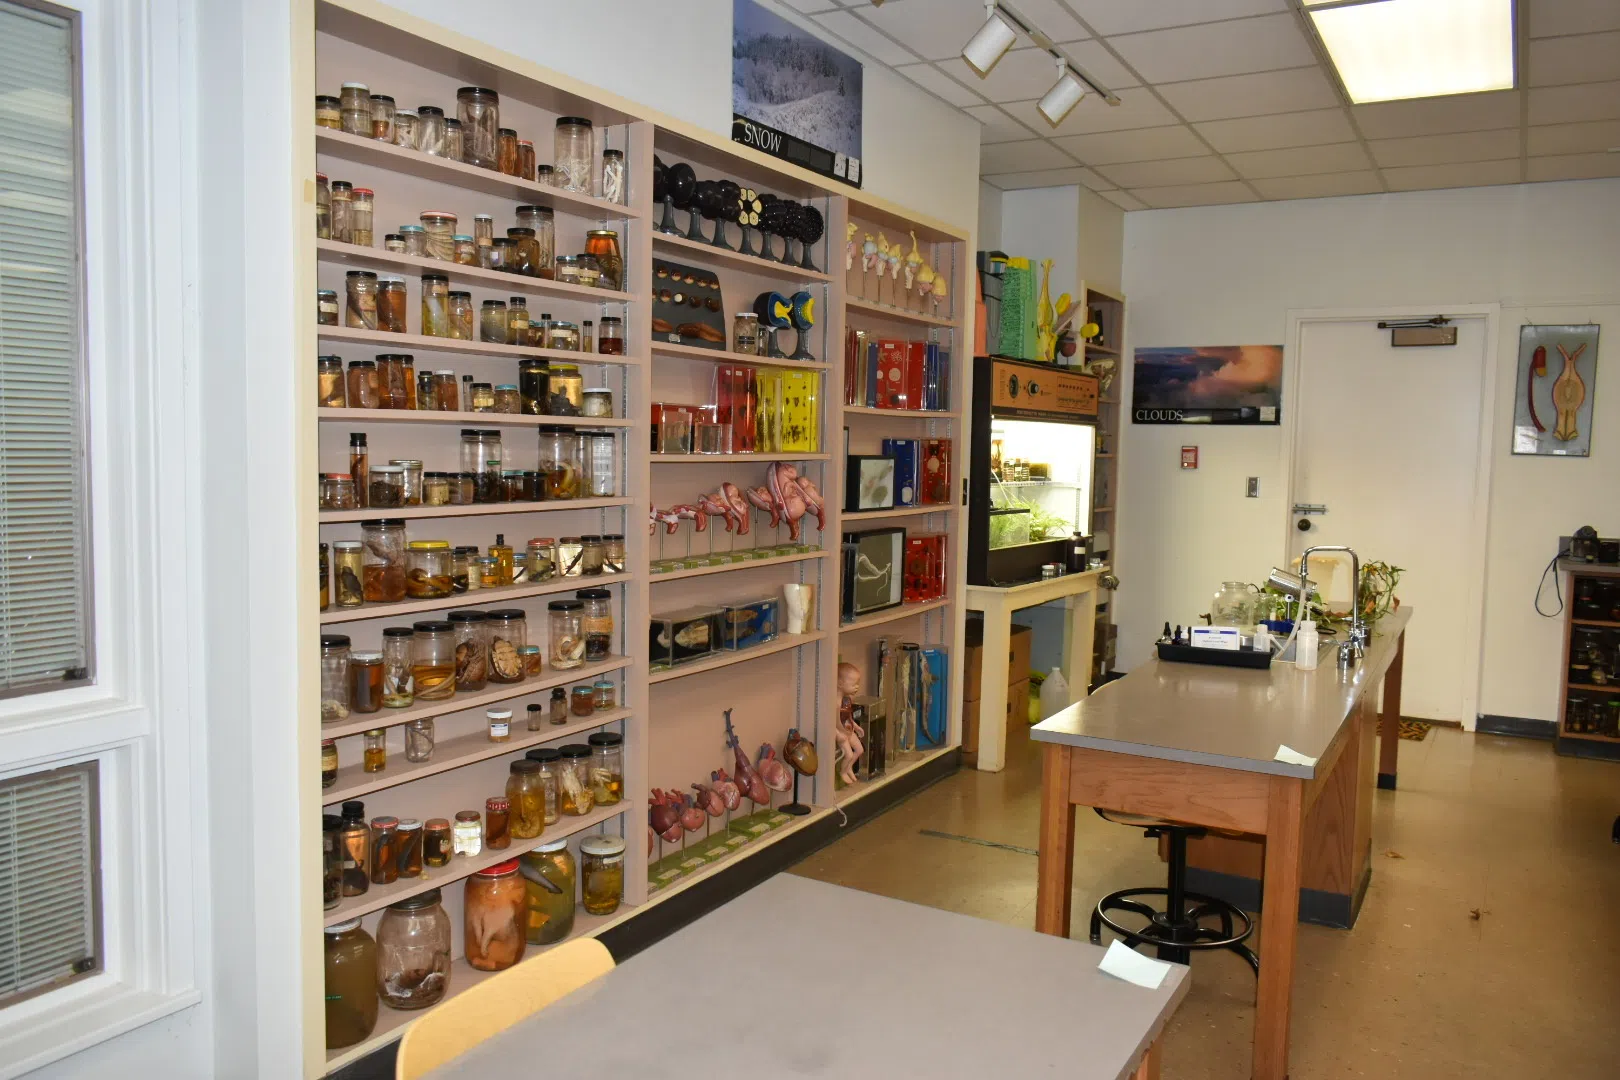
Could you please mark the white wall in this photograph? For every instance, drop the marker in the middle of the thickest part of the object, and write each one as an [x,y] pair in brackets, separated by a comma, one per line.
[1044,223]
[989,231]
[916,151]
[1229,275]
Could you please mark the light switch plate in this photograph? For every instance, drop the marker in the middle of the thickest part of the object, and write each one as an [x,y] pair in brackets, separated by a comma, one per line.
[1254,487]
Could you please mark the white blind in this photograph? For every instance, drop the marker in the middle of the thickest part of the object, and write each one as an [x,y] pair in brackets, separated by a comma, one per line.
[44,621]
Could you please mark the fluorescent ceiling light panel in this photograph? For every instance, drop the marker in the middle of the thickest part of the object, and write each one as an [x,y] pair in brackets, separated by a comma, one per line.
[1388,50]
[990,44]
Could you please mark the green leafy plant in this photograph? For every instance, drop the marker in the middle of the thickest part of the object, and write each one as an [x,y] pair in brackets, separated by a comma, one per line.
[1375,593]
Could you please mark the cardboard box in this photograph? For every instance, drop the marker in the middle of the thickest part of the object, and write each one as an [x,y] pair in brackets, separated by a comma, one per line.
[1018,654]
[1017,658]
[1017,720]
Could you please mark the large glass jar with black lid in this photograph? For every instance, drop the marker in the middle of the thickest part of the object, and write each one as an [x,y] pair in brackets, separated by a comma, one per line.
[430,130]
[397,649]
[596,621]
[479,110]
[565,391]
[548,758]
[334,678]
[607,767]
[544,223]
[533,373]
[413,952]
[567,645]
[552,881]
[525,252]
[383,567]
[574,154]
[508,633]
[354,837]
[433,660]
[574,780]
[526,793]
[496,909]
[562,461]
[604,244]
[481,456]
[351,984]
[472,650]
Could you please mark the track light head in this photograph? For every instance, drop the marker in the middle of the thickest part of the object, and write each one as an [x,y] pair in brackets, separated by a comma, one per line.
[991,43]
[1063,97]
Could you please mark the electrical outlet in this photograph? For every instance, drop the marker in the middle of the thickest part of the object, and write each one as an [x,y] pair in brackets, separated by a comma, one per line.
[1254,487]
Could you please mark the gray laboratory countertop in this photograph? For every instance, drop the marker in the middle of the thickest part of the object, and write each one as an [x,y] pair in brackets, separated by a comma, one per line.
[1232,718]
[797,978]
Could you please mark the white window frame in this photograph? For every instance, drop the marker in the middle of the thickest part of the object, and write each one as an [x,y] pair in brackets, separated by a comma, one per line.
[140,718]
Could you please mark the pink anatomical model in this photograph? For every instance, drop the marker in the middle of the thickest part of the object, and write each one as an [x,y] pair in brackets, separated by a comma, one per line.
[846,734]
[748,778]
[725,787]
[665,815]
[787,495]
[712,802]
[812,498]
[772,769]
[715,505]
[739,506]
[692,816]
[761,497]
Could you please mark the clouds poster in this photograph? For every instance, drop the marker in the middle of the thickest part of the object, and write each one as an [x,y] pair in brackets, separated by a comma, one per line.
[1207,384]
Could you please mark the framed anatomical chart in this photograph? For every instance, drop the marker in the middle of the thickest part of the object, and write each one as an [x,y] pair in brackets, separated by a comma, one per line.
[1552,397]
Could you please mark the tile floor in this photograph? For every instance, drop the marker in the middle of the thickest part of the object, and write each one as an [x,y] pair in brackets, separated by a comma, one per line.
[1419,989]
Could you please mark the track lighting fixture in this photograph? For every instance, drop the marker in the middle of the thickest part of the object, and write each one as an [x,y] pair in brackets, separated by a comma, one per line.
[1064,95]
[1002,25]
[991,43]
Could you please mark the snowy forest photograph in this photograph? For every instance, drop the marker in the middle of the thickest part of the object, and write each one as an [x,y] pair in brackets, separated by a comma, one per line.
[787,79]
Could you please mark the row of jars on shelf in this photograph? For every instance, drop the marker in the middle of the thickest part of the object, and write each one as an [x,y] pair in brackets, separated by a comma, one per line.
[391,381]
[435,659]
[573,465]
[474,136]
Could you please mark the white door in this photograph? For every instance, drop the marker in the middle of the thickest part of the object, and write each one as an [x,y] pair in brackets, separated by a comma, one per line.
[1389,441]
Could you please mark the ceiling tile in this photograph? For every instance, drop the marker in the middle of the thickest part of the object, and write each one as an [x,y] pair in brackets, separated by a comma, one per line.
[1101,64]
[939,84]
[1473,174]
[1594,137]
[1137,108]
[1549,17]
[1587,58]
[1022,73]
[1300,161]
[998,127]
[1252,95]
[1438,116]
[1051,17]
[1573,167]
[1195,194]
[865,38]
[1445,149]
[1048,178]
[1142,144]
[1193,170]
[1022,157]
[933,29]
[1572,104]
[1112,17]
[1124,200]
[1319,187]
[1214,49]
[1312,128]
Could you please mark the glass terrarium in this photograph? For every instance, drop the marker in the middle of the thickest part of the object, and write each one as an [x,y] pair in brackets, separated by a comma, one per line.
[1040,481]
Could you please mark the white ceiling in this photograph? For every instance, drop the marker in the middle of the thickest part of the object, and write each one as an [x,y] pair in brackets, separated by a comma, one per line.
[1226,101]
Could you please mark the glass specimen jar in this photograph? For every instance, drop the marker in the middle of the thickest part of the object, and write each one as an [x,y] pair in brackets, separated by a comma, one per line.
[428,564]
[559,706]
[500,724]
[745,333]
[479,110]
[340,207]
[419,739]
[574,780]
[361,313]
[329,762]
[455,143]
[548,757]
[596,622]
[364,390]
[430,130]
[597,400]
[365,683]
[589,272]
[565,390]
[354,837]
[523,253]
[604,245]
[392,392]
[533,374]
[326,307]
[481,457]
[574,153]
[437,842]
[527,794]
[590,558]
[396,675]
[331,862]
[552,882]
[323,207]
[384,850]
[606,695]
[382,117]
[492,322]
[394,242]
[507,399]
[607,766]
[468,835]
[328,112]
[581,701]
[445,394]
[497,255]
[409,848]
[466,250]
[497,823]
[337,491]
[613,176]
[383,571]
[488,572]
[435,489]
[392,301]
[334,677]
[506,150]
[508,633]
[351,984]
[433,660]
[356,102]
[610,339]
[415,238]
[545,175]
[483,229]
[405,128]
[347,574]
[374,753]
[569,552]
[613,553]
[562,460]
[599,463]
[517,319]
[385,487]
[567,646]
[497,908]
[410,478]
[566,269]
[472,650]
[541,557]
[360,215]
[413,952]
[461,316]
[602,861]
[532,664]
[440,229]
[483,397]
[435,305]
[525,159]
[543,220]
[587,336]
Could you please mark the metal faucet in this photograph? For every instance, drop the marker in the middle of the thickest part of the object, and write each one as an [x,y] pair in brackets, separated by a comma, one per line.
[1354,649]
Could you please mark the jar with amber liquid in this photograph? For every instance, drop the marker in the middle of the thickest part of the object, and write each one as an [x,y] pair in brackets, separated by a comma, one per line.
[396,677]
[574,780]
[565,389]
[435,305]
[604,244]
[347,573]
[384,850]
[492,322]
[365,683]
[497,822]
[562,461]
[552,882]
[408,848]
[526,793]
[602,860]
[392,392]
[361,287]
[461,316]
[433,660]
[383,541]
[427,569]
[607,767]
[437,843]
[507,151]
[543,220]
[496,912]
[351,984]
[354,837]
[548,757]
[524,253]
[392,301]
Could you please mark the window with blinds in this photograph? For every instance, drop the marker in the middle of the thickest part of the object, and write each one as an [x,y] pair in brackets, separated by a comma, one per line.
[44,536]
[49,880]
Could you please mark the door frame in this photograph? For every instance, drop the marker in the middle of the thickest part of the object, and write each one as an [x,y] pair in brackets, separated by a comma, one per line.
[1473,616]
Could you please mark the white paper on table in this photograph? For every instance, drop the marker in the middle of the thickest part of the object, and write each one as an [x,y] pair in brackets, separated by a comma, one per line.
[1289,756]
[1126,963]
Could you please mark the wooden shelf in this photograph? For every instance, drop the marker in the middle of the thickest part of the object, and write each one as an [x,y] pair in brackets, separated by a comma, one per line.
[897,314]
[465,419]
[1588,736]
[1102,349]
[386,341]
[722,659]
[724,356]
[370,258]
[464,177]
[463,866]
[1101,457]
[846,795]
[670,459]
[751,564]
[495,694]
[899,511]
[499,594]
[752,263]
[1596,622]
[1102,509]
[900,414]
[904,611]
[1593,688]
[329,517]
[1107,401]
[353,781]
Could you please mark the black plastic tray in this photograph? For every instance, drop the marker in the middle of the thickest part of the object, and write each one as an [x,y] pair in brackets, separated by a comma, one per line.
[1186,654]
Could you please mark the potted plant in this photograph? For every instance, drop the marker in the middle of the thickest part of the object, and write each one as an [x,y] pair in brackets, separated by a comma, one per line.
[1376,591]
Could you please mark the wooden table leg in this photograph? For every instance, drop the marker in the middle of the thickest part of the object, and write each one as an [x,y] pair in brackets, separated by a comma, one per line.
[1389,742]
[993,689]
[1149,1069]
[1054,886]
[1079,636]
[1279,928]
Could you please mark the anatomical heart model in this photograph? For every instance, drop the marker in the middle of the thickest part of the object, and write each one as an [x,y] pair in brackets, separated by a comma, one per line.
[800,753]
[749,782]
[1554,391]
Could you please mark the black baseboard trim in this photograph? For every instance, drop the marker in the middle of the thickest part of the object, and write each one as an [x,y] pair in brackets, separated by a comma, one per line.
[667,916]
[1589,748]
[1521,726]
[1386,781]
[1316,906]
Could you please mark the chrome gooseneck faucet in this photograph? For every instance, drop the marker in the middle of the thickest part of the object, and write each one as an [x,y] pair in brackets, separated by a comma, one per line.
[1356,647]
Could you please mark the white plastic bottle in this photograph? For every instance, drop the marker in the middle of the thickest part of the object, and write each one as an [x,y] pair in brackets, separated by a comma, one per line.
[1305,645]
